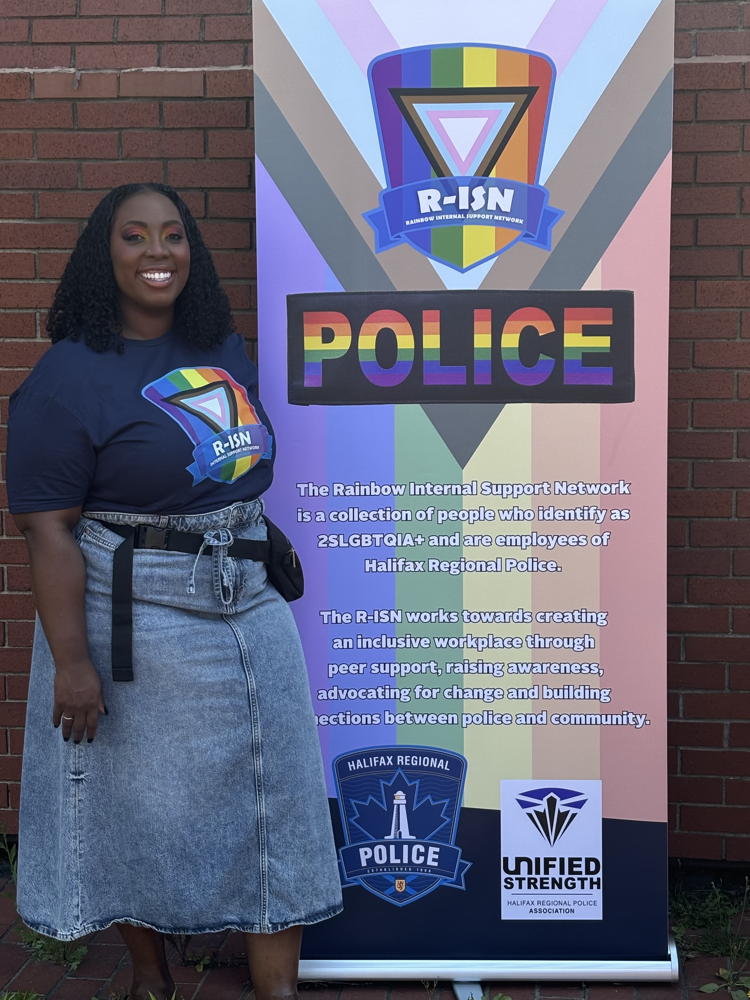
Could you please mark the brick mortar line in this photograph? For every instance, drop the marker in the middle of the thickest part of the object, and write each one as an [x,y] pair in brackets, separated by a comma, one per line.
[71,71]
[698,60]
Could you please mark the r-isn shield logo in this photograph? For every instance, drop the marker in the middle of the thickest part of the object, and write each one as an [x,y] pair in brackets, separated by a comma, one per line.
[462,130]
[399,811]
[215,412]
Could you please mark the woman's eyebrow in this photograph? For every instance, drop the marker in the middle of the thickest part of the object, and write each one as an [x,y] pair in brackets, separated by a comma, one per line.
[137,222]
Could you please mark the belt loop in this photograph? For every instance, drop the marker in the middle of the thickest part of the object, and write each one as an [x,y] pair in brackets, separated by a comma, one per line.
[122,605]
[191,578]
[221,539]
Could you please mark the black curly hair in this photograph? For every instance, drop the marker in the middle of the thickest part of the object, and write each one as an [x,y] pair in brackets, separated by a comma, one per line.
[86,303]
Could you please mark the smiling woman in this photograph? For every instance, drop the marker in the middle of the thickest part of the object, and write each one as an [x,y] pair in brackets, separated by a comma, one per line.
[89,303]
[138,452]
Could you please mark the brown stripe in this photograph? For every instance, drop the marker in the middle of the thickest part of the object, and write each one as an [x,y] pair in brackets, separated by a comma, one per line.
[596,143]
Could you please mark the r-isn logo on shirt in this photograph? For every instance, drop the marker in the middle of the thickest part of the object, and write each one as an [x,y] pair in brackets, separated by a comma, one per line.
[217,416]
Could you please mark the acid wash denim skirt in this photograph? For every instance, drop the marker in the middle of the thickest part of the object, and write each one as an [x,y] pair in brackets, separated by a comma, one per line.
[201,804]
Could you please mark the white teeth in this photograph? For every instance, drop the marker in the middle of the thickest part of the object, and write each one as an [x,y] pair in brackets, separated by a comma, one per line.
[157,275]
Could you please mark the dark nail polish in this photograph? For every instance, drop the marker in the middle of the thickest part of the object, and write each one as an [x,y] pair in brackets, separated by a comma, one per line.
[90,739]
[106,710]
[65,739]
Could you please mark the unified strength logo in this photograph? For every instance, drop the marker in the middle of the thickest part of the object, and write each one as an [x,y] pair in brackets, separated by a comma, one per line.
[462,130]
[551,850]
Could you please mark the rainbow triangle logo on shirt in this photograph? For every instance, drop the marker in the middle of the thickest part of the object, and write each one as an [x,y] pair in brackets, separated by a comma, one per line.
[216,414]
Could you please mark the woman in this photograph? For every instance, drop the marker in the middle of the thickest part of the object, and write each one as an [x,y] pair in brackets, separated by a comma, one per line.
[183,792]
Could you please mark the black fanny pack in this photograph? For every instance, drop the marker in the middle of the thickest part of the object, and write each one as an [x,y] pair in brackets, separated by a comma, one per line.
[282,565]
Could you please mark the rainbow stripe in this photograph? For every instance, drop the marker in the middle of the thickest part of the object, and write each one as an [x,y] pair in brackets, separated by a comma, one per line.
[482,346]
[386,319]
[318,350]
[579,345]
[510,343]
[434,372]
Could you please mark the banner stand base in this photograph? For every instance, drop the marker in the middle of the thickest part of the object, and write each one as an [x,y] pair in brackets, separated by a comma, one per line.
[467,975]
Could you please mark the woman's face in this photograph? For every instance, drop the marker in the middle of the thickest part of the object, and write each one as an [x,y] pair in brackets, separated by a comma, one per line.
[150,255]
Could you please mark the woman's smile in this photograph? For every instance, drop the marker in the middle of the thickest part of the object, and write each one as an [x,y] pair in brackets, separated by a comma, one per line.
[157,278]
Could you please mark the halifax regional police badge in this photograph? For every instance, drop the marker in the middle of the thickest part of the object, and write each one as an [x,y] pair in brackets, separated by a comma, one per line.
[399,810]
[462,131]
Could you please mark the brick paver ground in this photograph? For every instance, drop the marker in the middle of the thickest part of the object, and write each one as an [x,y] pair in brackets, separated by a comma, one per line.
[104,974]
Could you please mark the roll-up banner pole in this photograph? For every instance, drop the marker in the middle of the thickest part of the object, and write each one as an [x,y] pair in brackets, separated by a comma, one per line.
[463,217]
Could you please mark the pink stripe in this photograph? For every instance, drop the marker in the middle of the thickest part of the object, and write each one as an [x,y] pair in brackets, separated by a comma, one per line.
[633,583]
[562,30]
[565,446]
[360,28]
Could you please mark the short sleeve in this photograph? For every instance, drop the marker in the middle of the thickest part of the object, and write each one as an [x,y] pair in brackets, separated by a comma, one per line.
[51,457]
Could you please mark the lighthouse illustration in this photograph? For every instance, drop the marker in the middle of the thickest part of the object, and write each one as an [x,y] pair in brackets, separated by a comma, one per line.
[400,821]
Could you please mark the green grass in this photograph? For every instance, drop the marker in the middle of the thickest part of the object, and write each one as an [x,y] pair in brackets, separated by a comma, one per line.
[716,921]
[46,949]
[712,922]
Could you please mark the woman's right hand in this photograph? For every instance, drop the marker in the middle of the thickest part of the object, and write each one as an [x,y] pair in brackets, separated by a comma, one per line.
[77,701]
[58,575]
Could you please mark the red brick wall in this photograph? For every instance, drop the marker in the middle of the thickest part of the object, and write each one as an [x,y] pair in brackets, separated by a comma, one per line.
[709,473]
[65,138]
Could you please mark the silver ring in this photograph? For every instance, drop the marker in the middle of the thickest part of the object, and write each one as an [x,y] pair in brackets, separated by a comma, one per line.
[68,718]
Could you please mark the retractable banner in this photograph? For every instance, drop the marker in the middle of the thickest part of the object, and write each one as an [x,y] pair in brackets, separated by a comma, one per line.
[463,223]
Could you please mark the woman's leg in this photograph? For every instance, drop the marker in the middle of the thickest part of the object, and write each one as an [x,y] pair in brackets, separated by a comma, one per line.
[150,969]
[274,963]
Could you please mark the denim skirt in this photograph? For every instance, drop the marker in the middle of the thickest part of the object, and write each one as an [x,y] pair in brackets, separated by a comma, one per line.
[201,804]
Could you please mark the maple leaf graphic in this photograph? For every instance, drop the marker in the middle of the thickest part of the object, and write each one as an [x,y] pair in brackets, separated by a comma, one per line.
[429,819]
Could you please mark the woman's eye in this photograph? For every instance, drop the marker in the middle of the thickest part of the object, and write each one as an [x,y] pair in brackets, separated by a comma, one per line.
[132,237]
[175,237]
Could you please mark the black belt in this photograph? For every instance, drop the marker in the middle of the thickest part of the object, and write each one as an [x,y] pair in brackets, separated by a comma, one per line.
[144,536]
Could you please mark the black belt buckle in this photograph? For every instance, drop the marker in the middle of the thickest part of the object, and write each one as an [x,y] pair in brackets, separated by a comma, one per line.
[149,537]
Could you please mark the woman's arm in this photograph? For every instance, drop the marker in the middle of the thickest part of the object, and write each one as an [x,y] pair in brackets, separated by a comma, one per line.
[58,576]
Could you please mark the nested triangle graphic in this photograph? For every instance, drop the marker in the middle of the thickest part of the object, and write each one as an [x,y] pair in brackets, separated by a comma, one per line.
[214,403]
[463,131]
[463,135]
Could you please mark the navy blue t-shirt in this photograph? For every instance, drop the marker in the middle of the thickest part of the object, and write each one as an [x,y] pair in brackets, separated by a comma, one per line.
[163,428]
